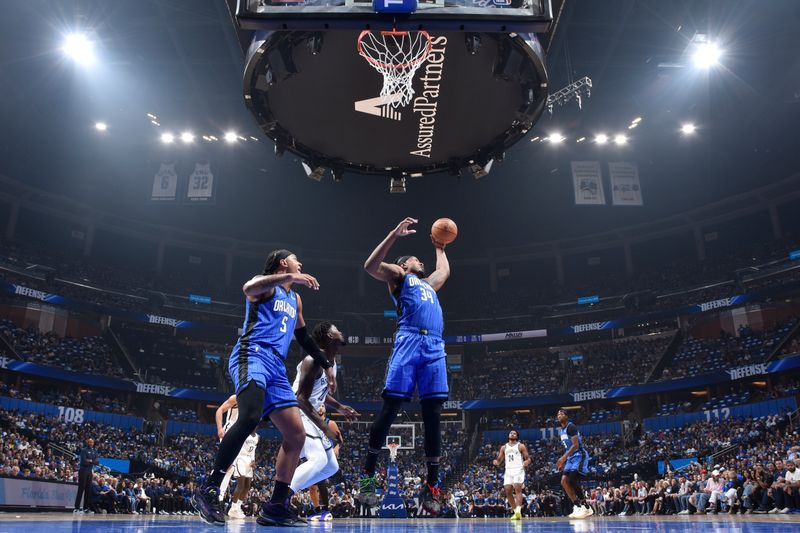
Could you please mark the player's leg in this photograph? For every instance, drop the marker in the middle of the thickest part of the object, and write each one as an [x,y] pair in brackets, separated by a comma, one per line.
[287,421]
[250,402]
[226,481]
[398,388]
[320,465]
[510,495]
[431,378]
[313,492]
[575,493]
[519,500]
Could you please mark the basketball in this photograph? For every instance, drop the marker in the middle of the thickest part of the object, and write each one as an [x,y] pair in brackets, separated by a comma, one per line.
[444,231]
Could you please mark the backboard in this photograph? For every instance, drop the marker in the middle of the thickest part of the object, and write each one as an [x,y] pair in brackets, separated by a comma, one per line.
[463,15]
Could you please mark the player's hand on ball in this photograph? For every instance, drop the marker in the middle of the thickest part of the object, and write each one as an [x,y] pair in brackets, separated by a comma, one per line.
[402,228]
[437,244]
[305,279]
[350,413]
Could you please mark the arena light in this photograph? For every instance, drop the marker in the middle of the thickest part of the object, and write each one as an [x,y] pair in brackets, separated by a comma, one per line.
[231,136]
[100,126]
[556,138]
[187,137]
[313,171]
[688,128]
[154,122]
[636,120]
[580,139]
[601,138]
[633,125]
[79,48]
[167,138]
[620,139]
[535,139]
[706,55]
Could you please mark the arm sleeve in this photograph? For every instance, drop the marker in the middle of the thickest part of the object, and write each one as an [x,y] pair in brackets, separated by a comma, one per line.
[311,348]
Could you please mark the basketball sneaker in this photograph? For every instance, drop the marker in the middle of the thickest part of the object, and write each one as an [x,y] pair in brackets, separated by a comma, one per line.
[276,514]
[322,516]
[206,501]
[236,511]
[517,514]
[366,484]
[429,498]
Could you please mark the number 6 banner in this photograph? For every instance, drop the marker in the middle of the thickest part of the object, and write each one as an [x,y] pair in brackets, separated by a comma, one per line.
[165,183]
[201,183]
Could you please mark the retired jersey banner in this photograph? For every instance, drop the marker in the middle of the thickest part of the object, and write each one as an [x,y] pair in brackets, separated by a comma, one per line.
[165,184]
[201,183]
[625,187]
[587,179]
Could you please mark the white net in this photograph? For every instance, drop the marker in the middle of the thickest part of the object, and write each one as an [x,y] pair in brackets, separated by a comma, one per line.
[396,55]
[393,452]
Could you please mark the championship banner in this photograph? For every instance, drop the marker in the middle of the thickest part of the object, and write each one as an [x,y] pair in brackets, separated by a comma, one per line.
[625,186]
[587,179]
[165,184]
[201,183]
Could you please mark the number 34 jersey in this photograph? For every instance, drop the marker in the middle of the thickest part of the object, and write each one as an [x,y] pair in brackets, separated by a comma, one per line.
[418,307]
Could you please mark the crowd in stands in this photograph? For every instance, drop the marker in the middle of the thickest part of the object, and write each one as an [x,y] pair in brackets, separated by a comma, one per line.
[162,358]
[89,355]
[705,356]
[70,397]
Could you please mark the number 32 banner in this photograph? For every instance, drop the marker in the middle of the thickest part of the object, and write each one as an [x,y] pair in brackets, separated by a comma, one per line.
[201,183]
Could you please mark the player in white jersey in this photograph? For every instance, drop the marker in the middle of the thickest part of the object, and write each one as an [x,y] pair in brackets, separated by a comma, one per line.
[242,467]
[515,455]
[312,386]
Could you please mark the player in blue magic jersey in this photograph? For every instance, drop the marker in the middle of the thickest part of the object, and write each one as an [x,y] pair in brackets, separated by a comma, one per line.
[274,314]
[574,463]
[418,358]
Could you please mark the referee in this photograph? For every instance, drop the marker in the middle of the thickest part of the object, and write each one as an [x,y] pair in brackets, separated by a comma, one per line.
[88,459]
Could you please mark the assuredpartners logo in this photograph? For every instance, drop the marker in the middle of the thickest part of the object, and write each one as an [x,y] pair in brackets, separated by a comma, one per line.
[425,106]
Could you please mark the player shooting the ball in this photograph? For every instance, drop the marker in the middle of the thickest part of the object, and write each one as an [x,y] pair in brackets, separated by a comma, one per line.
[418,357]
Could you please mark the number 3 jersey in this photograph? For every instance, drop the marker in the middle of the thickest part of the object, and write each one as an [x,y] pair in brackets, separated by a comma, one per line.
[418,307]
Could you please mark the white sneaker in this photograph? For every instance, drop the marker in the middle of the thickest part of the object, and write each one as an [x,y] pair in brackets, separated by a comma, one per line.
[235,512]
[621,514]
[773,510]
[685,511]
[785,510]
[588,512]
[574,513]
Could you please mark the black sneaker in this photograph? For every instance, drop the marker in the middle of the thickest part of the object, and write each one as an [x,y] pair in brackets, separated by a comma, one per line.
[276,514]
[206,501]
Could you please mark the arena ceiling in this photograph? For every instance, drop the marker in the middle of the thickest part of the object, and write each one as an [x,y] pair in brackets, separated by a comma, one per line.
[180,61]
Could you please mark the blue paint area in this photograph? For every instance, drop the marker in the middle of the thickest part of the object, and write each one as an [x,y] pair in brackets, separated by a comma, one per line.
[558,525]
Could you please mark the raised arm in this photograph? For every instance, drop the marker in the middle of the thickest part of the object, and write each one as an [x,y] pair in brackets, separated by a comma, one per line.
[226,406]
[442,272]
[375,266]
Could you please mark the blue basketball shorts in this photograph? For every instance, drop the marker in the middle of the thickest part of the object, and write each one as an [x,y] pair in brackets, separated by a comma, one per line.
[418,362]
[579,462]
[266,368]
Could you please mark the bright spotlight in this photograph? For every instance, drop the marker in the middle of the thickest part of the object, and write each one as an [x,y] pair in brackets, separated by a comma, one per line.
[636,120]
[231,136]
[187,137]
[167,138]
[601,138]
[620,139]
[100,126]
[688,128]
[706,55]
[556,138]
[78,47]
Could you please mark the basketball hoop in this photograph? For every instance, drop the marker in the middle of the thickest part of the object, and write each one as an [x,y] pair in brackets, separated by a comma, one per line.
[393,451]
[396,55]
